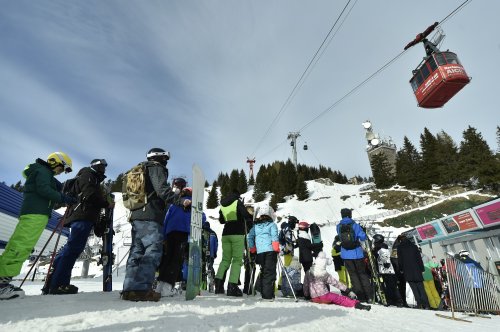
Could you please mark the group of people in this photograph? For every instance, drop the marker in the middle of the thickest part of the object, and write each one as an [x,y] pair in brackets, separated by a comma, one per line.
[160,235]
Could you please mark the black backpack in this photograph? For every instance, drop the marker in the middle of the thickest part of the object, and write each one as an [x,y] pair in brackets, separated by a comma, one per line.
[348,239]
[71,188]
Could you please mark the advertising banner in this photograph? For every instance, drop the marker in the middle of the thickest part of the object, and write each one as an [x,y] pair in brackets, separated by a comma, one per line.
[460,222]
[489,213]
[430,231]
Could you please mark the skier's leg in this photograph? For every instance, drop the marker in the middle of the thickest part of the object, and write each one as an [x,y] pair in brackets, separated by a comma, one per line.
[355,281]
[63,265]
[364,279]
[269,274]
[238,247]
[227,253]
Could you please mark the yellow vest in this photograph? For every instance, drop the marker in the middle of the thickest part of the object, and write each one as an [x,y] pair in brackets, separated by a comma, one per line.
[230,212]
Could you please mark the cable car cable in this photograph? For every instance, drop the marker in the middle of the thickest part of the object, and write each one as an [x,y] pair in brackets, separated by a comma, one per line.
[298,84]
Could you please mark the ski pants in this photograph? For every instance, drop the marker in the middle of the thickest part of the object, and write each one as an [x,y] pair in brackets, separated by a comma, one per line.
[401,280]
[417,287]
[173,257]
[391,289]
[359,279]
[267,261]
[145,255]
[232,256]
[432,293]
[66,258]
[21,243]
[334,298]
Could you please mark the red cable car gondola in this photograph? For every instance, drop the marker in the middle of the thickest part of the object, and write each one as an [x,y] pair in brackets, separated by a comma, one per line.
[439,76]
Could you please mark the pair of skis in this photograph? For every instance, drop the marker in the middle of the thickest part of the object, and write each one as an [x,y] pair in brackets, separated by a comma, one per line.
[379,291]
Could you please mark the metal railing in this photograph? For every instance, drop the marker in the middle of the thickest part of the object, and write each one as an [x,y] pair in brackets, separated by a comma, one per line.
[471,289]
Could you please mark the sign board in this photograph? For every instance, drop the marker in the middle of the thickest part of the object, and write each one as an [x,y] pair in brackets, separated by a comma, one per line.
[489,213]
[462,221]
[431,230]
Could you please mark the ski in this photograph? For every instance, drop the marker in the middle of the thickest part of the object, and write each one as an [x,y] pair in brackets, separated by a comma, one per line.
[107,256]
[193,283]
[379,292]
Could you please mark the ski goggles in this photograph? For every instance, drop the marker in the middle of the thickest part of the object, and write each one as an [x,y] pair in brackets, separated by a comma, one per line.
[164,154]
[99,162]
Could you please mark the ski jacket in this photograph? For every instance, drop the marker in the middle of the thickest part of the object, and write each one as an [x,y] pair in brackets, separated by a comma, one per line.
[156,182]
[263,237]
[41,189]
[318,285]
[360,235]
[429,264]
[305,247]
[472,275]
[178,219]
[383,256]
[233,215]
[410,262]
[91,199]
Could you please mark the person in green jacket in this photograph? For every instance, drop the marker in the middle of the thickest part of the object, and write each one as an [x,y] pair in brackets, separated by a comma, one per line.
[41,193]
[429,286]
[234,216]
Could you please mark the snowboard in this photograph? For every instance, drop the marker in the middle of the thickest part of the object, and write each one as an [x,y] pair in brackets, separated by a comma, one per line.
[315,233]
[193,282]
[107,256]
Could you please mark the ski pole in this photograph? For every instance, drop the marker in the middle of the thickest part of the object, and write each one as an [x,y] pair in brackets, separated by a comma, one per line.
[39,255]
[287,278]
[49,274]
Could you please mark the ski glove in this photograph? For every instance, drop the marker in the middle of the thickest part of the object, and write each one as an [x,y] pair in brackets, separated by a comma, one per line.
[349,293]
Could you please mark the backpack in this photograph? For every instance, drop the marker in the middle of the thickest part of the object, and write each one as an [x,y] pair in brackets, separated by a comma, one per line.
[285,240]
[348,239]
[134,187]
[70,187]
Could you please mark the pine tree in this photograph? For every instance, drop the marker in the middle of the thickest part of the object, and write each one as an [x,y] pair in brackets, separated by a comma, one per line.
[259,192]
[408,163]
[212,199]
[446,159]
[18,186]
[207,184]
[301,189]
[429,173]
[476,160]
[234,179]
[251,181]
[116,186]
[382,171]
[242,182]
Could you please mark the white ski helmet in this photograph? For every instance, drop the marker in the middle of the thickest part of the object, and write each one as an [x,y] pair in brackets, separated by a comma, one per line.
[265,210]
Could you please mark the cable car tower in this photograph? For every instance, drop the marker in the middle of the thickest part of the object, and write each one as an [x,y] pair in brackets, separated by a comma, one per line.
[250,163]
[377,145]
[292,136]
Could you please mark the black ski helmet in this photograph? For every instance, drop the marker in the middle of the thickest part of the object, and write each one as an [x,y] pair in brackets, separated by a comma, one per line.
[378,238]
[179,183]
[158,155]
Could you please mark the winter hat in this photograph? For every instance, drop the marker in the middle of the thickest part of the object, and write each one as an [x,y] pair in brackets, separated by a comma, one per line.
[303,225]
[463,253]
[346,213]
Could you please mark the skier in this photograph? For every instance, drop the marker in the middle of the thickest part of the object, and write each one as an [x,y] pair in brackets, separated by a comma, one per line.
[263,240]
[210,245]
[176,230]
[411,264]
[81,217]
[338,262]
[147,238]
[352,253]
[41,192]
[429,285]
[305,246]
[397,271]
[287,243]
[386,271]
[233,215]
[316,286]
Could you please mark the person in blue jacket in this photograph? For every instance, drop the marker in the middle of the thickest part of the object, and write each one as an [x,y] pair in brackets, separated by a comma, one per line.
[351,235]
[176,230]
[263,240]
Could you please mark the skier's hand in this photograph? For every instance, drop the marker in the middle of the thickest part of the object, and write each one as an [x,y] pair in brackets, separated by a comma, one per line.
[186,202]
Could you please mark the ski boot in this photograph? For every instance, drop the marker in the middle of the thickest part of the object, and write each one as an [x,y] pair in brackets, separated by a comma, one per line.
[233,290]
[219,286]
[361,306]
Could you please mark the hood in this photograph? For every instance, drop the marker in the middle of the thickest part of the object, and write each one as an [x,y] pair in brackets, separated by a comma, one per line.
[39,163]
[229,199]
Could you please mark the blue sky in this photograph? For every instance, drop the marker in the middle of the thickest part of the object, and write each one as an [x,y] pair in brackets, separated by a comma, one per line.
[205,79]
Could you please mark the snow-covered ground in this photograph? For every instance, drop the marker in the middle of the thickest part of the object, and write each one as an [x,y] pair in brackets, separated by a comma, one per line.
[95,310]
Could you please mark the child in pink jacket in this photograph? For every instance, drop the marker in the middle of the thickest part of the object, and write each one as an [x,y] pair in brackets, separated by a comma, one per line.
[316,286]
